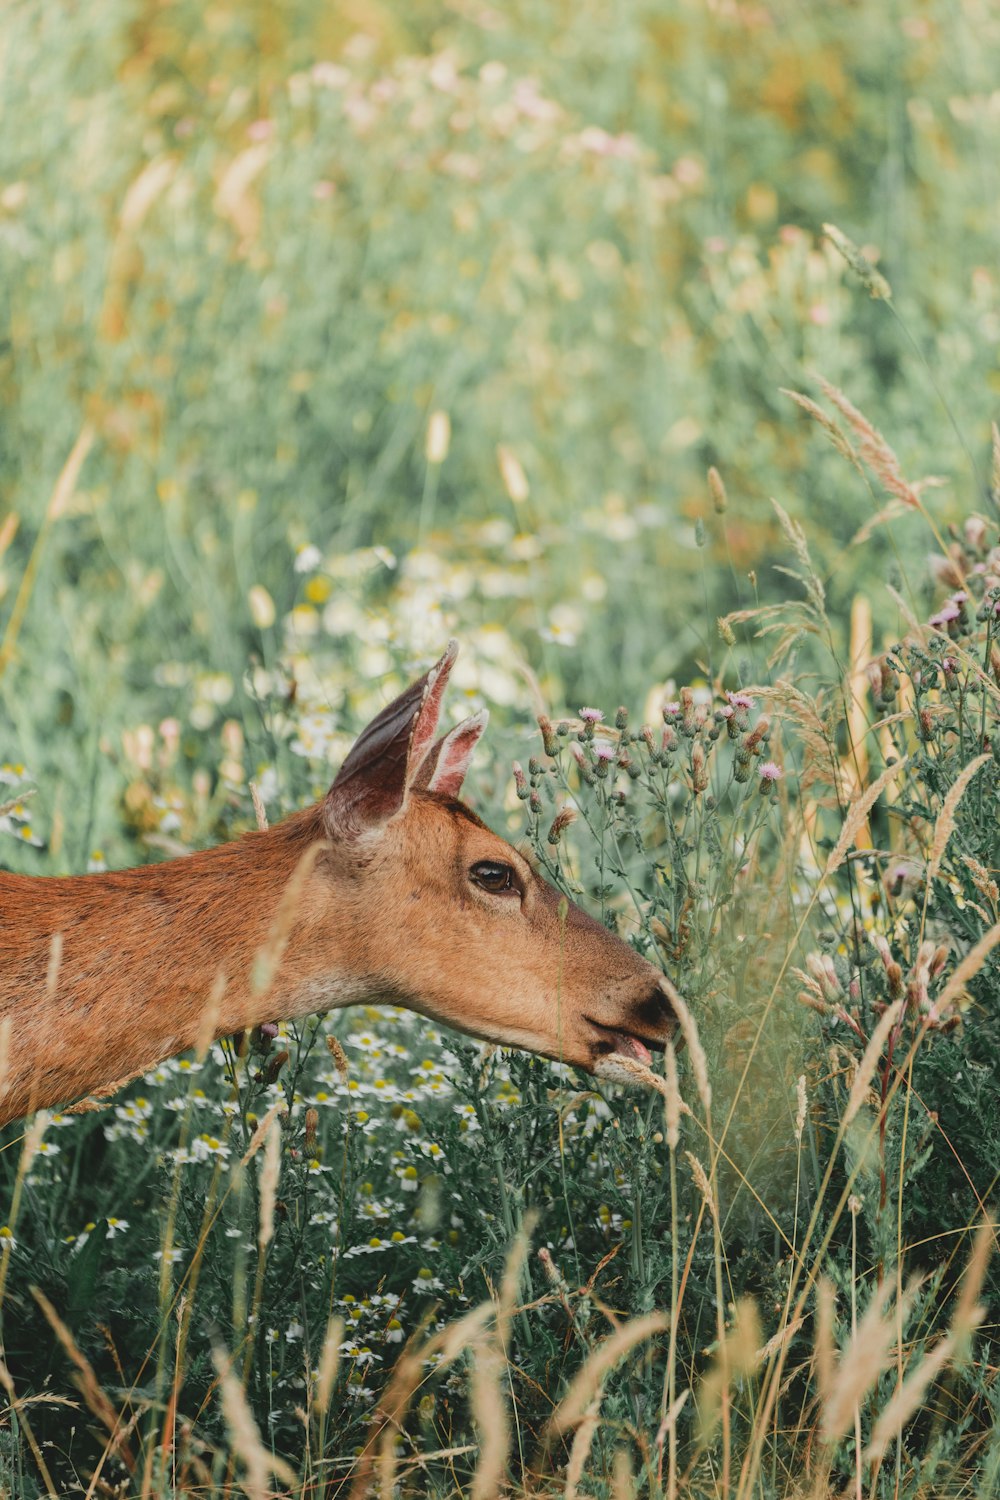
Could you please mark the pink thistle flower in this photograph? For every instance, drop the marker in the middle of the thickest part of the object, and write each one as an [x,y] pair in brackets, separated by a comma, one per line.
[741,700]
[771,771]
[605,752]
[591,715]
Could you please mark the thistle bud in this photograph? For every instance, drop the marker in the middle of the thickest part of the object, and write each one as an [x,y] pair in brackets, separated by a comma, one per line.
[549,740]
[563,818]
[699,767]
[521,783]
[312,1125]
[275,1065]
[583,765]
[621,718]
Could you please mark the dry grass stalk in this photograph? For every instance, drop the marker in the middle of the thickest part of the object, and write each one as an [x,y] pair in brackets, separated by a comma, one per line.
[8,531]
[867,1355]
[622,1479]
[908,1397]
[875,451]
[245,1438]
[968,1313]
[689,1030]
[945,825]
[669,1422]
[270,1173]
[778,1341]
[580,1450]
[54,965]
[982,879]
[890,512]
[720,499]
[588,1381]
[59,499]
[913,625]
[16,1404]
[620,1069]
[260,812]
[969,966]
[406,1377]
[339,1056]
[7,807]
[834,432]
[736,1356]
[329,1359]
[858,815]
[702,1183]
[800,1113]
[6,1028]
[98,1402]
[268,959]
[823,1346]
[816,731]
[489,1408]
[869,1061]
[101,1098]
[32,1140]
[674,1104]
[796,538]
[260,1134]
[860,652]
[209,1018]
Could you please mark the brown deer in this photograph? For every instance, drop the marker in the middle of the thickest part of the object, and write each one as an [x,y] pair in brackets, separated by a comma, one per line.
[389,890]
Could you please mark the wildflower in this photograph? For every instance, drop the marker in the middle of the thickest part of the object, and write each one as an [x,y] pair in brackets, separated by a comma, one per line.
[115,1227]
[426,1281]
[770,774]
[7,1240]
[409,1179]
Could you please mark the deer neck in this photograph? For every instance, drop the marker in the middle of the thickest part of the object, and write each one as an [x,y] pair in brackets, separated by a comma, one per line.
[102,976]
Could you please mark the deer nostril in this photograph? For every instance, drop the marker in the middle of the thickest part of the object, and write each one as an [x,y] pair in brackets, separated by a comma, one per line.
[655,1011]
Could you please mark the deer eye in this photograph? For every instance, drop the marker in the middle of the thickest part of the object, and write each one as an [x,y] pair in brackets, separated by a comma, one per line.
[493,875]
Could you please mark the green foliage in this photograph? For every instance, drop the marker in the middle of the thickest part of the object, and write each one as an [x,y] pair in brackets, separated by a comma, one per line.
[381,327]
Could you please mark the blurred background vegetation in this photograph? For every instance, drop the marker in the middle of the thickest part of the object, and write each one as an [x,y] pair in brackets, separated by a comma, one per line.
[394,322]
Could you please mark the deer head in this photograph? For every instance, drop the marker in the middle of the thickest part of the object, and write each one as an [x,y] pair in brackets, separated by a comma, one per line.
[436,912]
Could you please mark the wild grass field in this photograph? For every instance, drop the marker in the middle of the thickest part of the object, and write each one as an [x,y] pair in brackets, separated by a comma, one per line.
[650,351]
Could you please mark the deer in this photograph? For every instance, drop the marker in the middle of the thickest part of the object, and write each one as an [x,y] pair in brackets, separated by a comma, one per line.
[390,890]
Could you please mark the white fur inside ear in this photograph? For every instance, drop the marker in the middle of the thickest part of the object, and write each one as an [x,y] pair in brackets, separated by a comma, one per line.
[455,754]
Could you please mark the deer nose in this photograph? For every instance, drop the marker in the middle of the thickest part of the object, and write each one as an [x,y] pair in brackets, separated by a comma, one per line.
[654,1013]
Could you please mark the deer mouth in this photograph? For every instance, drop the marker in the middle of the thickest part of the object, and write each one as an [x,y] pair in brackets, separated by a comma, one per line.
[625,1044]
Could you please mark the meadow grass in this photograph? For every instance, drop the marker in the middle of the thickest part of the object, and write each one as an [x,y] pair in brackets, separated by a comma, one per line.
[330,334]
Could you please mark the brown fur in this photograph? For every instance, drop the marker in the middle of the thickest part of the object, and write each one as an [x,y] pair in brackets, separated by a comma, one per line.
[385,913]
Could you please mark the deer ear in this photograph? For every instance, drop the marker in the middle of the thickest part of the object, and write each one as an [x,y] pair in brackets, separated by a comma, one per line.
[446,763]
[371,785]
